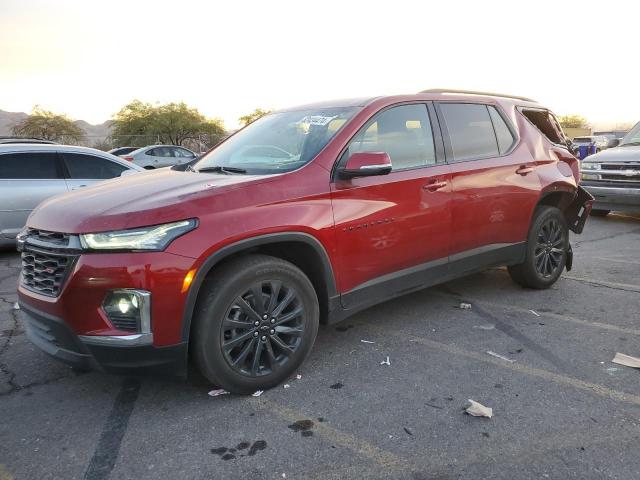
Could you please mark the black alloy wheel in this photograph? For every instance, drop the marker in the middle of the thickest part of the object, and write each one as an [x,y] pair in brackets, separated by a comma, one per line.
[255,322]
[262,328]
[550,248]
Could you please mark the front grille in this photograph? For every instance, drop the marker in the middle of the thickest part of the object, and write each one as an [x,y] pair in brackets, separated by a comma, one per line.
[620,172]
[54,238]
[47,259]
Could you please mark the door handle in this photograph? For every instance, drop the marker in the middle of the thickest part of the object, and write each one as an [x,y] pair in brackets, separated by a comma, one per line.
[524,169]
[434,186]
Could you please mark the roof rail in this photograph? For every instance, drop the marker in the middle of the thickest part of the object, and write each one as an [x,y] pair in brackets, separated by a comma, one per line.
[471,92]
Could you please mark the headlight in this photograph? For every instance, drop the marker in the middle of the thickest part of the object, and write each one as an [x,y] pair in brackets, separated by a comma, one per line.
[590,166]
[156,237]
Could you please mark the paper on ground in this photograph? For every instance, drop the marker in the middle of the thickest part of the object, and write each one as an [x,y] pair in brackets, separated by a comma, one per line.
[626,360]
[465,306]
[478,410]
[257,393]
[218,392]
[501,357]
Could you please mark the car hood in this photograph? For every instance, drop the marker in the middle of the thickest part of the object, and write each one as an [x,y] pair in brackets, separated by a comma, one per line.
[617,154]
[135,200]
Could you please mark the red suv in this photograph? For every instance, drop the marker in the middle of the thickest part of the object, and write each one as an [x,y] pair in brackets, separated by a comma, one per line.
[304,217]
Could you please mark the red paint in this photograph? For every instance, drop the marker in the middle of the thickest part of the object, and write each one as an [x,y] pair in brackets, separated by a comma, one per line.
[369,226]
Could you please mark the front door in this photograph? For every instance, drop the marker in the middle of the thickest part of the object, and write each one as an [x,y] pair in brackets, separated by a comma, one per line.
[391,228]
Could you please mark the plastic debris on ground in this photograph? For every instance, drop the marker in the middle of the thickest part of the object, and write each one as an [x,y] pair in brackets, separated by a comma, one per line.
[501,357]
[257,393]
[218,392]
[626,360]
[286,385]
[16,306]
[386,362]
[535,313]
[465,306]
[478,410]
[367,341]
[298,377]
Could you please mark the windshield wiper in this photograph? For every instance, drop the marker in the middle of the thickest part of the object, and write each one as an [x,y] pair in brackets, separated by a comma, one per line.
[221,169]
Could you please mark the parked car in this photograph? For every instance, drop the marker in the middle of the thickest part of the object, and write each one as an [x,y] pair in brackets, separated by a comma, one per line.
[613,176]
[306,216]
[31,173]
[157,156]
[600,141]
[8,140]
[122,151]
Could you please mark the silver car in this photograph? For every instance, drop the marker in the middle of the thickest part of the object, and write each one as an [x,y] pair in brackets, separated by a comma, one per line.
[30,174]
[158,156]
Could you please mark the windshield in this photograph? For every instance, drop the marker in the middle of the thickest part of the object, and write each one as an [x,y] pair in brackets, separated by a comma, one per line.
[633,137]
[277,143]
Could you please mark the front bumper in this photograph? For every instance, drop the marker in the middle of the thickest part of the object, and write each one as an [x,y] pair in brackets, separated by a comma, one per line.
[52,335]
[614,198]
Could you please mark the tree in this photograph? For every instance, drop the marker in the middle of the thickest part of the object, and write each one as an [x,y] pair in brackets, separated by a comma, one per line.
[253,116]
[139,123]
[48,126]
[573,121]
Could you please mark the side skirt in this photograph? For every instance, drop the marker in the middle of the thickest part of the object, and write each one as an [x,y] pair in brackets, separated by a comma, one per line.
[427,275]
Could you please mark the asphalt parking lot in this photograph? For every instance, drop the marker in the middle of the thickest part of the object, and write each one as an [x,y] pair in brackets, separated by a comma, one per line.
[561,408]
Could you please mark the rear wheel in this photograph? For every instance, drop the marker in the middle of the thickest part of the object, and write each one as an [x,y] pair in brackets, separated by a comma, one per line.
[546,251]
[600,213]
[255,323]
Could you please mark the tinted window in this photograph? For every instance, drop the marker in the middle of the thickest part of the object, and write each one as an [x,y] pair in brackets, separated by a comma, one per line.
[82,166]
[503,134]
[470,131]
[152,152]
[403,132]
[29,165]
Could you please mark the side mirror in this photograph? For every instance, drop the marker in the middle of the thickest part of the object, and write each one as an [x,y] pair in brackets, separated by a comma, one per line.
[366,164]
[614,142]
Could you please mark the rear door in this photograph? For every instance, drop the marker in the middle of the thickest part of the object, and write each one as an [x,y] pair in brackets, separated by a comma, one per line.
[494,182]
[392,228]
[84,169]
[26,179]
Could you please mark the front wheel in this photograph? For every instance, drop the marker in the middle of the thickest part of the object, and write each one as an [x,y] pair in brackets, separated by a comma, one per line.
[255,323]
[546,250]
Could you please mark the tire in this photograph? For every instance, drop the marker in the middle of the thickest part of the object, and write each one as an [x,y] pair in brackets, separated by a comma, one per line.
[546,250]
[227,312]
[600,213]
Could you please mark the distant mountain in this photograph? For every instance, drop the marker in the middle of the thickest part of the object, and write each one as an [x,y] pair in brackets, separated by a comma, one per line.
[94,132]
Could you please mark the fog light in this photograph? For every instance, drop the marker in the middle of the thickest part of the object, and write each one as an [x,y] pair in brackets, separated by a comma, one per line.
[590,176]
[129,310]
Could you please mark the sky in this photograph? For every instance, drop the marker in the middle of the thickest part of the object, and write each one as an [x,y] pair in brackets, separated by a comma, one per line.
[88,58]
